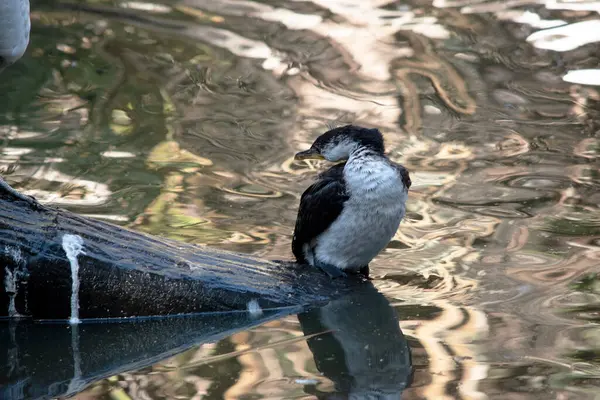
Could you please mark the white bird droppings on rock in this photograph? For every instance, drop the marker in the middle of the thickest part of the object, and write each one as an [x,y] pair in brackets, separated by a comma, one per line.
[73,246]
[14,253]
[254,308]
[10,285]
[11,278]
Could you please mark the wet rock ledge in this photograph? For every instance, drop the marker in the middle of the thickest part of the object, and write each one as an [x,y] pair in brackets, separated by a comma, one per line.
[57,265]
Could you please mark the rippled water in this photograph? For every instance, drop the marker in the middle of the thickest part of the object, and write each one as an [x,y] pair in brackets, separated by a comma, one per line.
[180,119]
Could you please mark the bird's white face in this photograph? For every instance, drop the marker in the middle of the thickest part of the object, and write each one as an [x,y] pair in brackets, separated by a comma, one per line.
[337,150]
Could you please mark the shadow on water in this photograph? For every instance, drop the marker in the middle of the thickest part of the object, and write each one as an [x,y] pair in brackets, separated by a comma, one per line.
[366,360]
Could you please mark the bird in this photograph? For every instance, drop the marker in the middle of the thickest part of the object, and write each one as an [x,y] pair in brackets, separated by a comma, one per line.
[353,209]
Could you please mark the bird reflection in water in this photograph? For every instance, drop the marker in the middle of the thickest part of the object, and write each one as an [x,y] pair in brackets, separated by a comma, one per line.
[363,352]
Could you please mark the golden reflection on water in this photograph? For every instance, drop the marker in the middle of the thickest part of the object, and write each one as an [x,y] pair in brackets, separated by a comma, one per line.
[181,120]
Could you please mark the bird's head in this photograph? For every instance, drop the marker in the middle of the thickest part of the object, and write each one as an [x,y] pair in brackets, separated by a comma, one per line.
[337,144]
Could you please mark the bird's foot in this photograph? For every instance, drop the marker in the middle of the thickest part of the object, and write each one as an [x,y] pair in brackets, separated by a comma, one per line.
[332,271]
[335,272]
[364,271]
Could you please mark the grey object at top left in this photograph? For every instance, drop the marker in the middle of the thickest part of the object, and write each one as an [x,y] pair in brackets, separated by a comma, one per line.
[15,26]
[57,265]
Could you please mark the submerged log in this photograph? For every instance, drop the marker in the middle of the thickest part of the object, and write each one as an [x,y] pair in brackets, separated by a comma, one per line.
[55,264]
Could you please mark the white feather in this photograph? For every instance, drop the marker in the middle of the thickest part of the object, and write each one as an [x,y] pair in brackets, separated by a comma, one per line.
[14,30]
[338,151]
[370,217]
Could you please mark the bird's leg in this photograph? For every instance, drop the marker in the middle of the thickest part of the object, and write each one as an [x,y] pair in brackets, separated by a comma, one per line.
[332,271]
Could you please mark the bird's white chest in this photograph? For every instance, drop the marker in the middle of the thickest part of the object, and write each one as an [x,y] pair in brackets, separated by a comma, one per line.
[370,217]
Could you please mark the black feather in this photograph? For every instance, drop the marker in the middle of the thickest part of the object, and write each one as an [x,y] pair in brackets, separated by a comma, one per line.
[320,205]
[404,175]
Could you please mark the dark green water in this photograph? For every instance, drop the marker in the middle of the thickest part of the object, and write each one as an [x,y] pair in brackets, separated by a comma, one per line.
[180,119]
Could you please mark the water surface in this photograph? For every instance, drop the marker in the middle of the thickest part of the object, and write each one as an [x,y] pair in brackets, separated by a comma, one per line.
[180,119]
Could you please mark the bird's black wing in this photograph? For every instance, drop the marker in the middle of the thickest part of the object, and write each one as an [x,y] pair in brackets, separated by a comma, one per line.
[404,175]
[320,205]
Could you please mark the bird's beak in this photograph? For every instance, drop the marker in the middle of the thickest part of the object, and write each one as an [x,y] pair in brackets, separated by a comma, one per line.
[310,154]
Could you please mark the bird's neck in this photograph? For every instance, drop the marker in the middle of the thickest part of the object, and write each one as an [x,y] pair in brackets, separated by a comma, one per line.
[363,153]
[363,165]
[368,174]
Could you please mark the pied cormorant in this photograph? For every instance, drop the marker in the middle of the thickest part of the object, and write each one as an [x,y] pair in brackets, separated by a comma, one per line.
[354,208]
